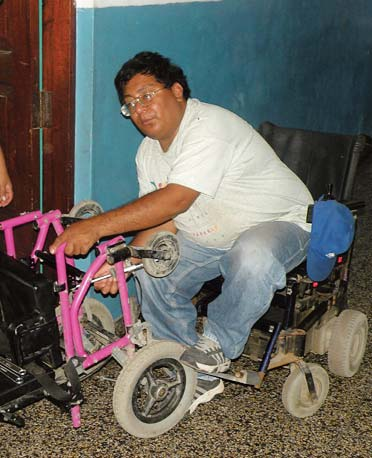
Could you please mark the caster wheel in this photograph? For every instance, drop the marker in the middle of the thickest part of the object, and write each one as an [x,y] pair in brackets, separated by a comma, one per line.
[86,209]
[348,343]
[99,314]
[154,390]
[167,242]
[295,395]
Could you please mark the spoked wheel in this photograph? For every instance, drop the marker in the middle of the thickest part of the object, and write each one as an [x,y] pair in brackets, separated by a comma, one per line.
[154,390]
[348,343]
[296,396]
[85,209]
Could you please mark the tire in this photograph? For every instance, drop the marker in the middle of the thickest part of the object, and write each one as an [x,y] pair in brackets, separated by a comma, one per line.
[165,241]
[348,343]
[99,314]
[145,412]
[86,209]
[295,395]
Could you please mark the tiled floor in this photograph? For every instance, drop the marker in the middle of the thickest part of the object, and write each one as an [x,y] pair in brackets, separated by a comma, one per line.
[242,422]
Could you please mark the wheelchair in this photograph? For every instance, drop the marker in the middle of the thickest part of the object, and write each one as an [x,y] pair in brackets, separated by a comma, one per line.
[308,316]
[53,335]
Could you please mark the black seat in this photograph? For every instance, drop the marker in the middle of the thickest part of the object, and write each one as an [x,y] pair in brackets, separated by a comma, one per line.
[318,158]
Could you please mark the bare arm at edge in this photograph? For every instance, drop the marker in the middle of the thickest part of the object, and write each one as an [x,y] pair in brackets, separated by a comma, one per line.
[147,212]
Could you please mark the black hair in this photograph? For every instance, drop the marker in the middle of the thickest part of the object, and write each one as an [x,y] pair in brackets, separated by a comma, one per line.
[154,64]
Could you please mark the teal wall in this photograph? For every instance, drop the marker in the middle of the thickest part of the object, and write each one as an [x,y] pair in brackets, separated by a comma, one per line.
[300,63]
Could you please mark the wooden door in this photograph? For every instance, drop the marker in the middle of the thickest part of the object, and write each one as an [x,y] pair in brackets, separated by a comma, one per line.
[45,175]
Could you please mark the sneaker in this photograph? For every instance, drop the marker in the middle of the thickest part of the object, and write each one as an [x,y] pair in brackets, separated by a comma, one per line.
[206,355]
[205,391]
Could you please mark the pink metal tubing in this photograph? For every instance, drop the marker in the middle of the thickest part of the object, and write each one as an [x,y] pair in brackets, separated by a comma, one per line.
[9,243]
[44,221]
[8,225]
[75,416]
[123,292]
[64,302]
[106,351]
[78,300]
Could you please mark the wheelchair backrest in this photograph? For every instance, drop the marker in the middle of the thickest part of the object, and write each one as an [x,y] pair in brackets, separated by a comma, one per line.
[318,158]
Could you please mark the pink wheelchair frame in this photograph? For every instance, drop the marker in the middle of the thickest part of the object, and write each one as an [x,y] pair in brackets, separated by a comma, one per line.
[70,309]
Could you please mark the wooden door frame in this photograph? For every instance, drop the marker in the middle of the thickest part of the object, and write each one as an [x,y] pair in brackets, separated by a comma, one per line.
[59,44]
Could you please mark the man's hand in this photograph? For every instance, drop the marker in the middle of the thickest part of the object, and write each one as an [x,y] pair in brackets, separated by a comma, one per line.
[109,285]
[79,238]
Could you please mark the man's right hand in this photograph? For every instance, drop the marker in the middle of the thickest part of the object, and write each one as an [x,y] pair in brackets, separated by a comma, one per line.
[79,238]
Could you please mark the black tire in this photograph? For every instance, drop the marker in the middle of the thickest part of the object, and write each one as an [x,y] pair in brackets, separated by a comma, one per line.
[154,390]
[85,209]
[295,395]
[348,343]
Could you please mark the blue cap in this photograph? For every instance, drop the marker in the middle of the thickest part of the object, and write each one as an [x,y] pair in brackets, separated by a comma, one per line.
[332,233]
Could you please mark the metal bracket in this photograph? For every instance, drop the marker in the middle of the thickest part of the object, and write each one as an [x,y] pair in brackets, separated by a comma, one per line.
[242,376]
[120,356]
[304,368]
[140,333]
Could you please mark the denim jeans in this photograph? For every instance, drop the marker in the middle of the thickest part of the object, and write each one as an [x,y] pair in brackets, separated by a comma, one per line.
[253,269]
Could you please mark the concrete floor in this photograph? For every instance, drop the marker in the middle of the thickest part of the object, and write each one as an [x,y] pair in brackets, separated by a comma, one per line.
[241,422]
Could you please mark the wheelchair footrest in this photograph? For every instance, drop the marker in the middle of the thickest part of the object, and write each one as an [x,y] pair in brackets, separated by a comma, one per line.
[245,377]
[18,391]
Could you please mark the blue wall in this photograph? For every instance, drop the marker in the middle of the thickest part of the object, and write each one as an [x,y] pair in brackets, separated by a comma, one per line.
[300,63]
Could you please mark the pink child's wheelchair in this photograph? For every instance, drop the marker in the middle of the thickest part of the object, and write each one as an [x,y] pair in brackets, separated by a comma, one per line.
[52,336]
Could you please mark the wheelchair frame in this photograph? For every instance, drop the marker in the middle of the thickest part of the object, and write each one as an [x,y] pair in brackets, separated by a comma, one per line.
[304,317]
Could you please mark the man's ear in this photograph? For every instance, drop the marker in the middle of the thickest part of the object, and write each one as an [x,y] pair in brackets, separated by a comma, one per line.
[177,90]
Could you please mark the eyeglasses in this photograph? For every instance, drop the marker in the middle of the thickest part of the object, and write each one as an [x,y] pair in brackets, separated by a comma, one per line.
[144,100]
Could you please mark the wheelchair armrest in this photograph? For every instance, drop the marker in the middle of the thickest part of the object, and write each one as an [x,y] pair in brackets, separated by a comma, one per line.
[353,205]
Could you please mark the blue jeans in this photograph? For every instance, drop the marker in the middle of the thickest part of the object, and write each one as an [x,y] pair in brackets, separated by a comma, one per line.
[253,269]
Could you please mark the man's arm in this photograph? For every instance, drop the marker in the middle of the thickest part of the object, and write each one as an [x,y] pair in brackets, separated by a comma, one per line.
[6,188]
[147,212]
[110,285]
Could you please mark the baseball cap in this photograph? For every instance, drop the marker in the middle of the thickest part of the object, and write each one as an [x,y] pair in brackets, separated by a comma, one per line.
[332,233]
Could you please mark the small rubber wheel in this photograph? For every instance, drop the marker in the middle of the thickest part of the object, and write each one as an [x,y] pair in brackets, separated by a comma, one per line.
[348,343]
[99,314]
[154,390]
[295,395]
[86,209]
[167,242]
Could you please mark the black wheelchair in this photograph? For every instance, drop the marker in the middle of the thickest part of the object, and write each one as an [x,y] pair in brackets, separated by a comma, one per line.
[308,316]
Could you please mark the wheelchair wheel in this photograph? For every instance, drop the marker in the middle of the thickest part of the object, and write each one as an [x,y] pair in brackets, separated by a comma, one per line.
[348,343]
[295,395]
[99,314]
[85,209]
[164,241]
[154,390]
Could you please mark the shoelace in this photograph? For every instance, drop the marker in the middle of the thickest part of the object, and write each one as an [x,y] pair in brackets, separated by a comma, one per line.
[205,344]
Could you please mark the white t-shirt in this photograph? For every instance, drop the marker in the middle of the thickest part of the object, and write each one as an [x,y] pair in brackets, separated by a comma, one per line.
[241,180]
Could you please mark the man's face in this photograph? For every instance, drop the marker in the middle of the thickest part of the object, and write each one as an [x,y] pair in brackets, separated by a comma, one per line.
[160,119]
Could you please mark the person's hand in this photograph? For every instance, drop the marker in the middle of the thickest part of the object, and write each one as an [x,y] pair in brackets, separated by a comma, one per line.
[79,238]
[6,190]
[108,285]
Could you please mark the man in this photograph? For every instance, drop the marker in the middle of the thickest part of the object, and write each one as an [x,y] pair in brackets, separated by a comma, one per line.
[6,188]
[237,209]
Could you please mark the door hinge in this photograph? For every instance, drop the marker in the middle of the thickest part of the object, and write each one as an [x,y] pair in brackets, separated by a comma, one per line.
[42,110]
